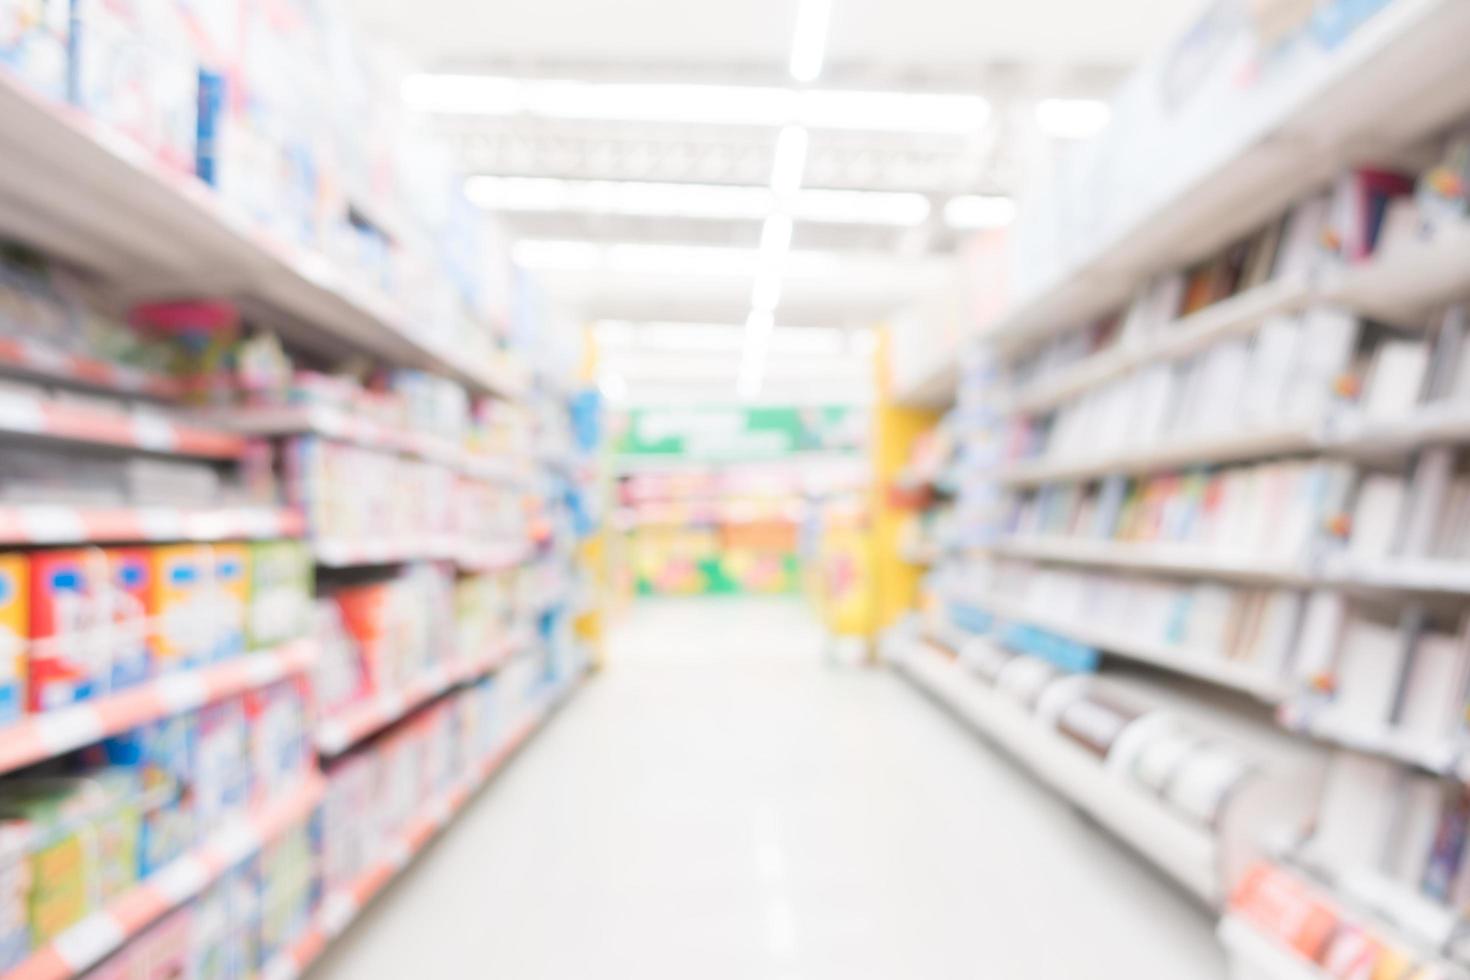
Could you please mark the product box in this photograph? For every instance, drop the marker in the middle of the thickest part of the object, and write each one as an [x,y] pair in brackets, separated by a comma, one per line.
[15,631]
[226,928]
[82,835]
[280,592]
[287,886]
[130,574]
[71,627]
[279,720]
[222,767]
[231,586]
[183,608]
[34,36]
[162,757]
[133,68]
[15,891]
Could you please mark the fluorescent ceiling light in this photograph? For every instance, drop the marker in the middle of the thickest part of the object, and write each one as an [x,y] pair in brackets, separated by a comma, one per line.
[626,197]
[765,295]
[898,112]
[790,161]
[727,105]
[972,212]
[1072,119]
[718,202]
[758,329]
[559,255]
[775,239]
[809,43]
[620,337]
[900,208]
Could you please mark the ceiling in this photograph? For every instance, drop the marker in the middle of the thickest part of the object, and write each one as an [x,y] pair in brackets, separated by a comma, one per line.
[603,255]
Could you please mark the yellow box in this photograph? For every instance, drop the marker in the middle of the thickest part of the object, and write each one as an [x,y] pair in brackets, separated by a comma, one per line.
[15,631]
[231,585]
[184,624]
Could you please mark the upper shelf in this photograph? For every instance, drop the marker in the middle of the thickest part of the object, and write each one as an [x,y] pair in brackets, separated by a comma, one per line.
[1393,81]
[77,190]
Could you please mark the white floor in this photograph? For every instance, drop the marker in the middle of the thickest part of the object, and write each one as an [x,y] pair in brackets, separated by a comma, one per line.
[720,804]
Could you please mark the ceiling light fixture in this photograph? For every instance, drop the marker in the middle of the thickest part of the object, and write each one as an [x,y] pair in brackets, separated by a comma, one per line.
[972,212]
[758,329]
[809,42]
[1072,119]
[944,113]
[789,165]
[716,202]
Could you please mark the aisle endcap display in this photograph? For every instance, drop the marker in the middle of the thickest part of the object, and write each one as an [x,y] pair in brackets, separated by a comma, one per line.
[94,938]
[44,524]
[53,733]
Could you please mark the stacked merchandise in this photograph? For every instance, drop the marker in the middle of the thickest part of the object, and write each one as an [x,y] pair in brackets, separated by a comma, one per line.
[1271,513]
[1207,628]
[292,123]
[92,828]
[176,672]
[925,486]
[1194,791]
[1253,477]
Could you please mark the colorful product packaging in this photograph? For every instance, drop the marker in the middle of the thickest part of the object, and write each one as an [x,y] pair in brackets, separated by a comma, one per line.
[130,573]
[288,887]
[71,627]
[231,585]
[83,837]
[184,632]
[279,596]
[226,928]
[15,890]
[162,758]
[278,718]
[34,37]
[15,631]
[222,767]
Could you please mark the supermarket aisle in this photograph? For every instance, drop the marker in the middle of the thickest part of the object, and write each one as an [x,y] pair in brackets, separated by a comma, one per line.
[721,805]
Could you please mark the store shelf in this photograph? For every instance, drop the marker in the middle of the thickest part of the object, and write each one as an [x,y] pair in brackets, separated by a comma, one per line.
[476,557]
[40,417]
[33,359]
[1209,667]
[1407,281]
[1183,338]
[1441,757]
[332,423]
[1185,852]
[1420,575]
[94,938]
[1389,83]
[75,189]
[1177,454]
[53,733]
[1263,957]
[338,733]
[1151,557]
[41,524]
[341,908]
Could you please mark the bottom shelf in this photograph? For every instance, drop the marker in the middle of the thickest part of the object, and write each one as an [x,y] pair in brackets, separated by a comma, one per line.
[1187,853]
[90,941]
[340,908]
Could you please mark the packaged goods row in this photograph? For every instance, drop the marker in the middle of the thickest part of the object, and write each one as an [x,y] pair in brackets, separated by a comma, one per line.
[85,829]
[254,102]
[76,624]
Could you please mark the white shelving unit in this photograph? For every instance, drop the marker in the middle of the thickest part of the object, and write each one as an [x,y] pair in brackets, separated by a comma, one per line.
[1381,96]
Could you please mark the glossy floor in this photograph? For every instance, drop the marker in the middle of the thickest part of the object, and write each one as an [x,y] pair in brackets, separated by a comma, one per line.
[721,804]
